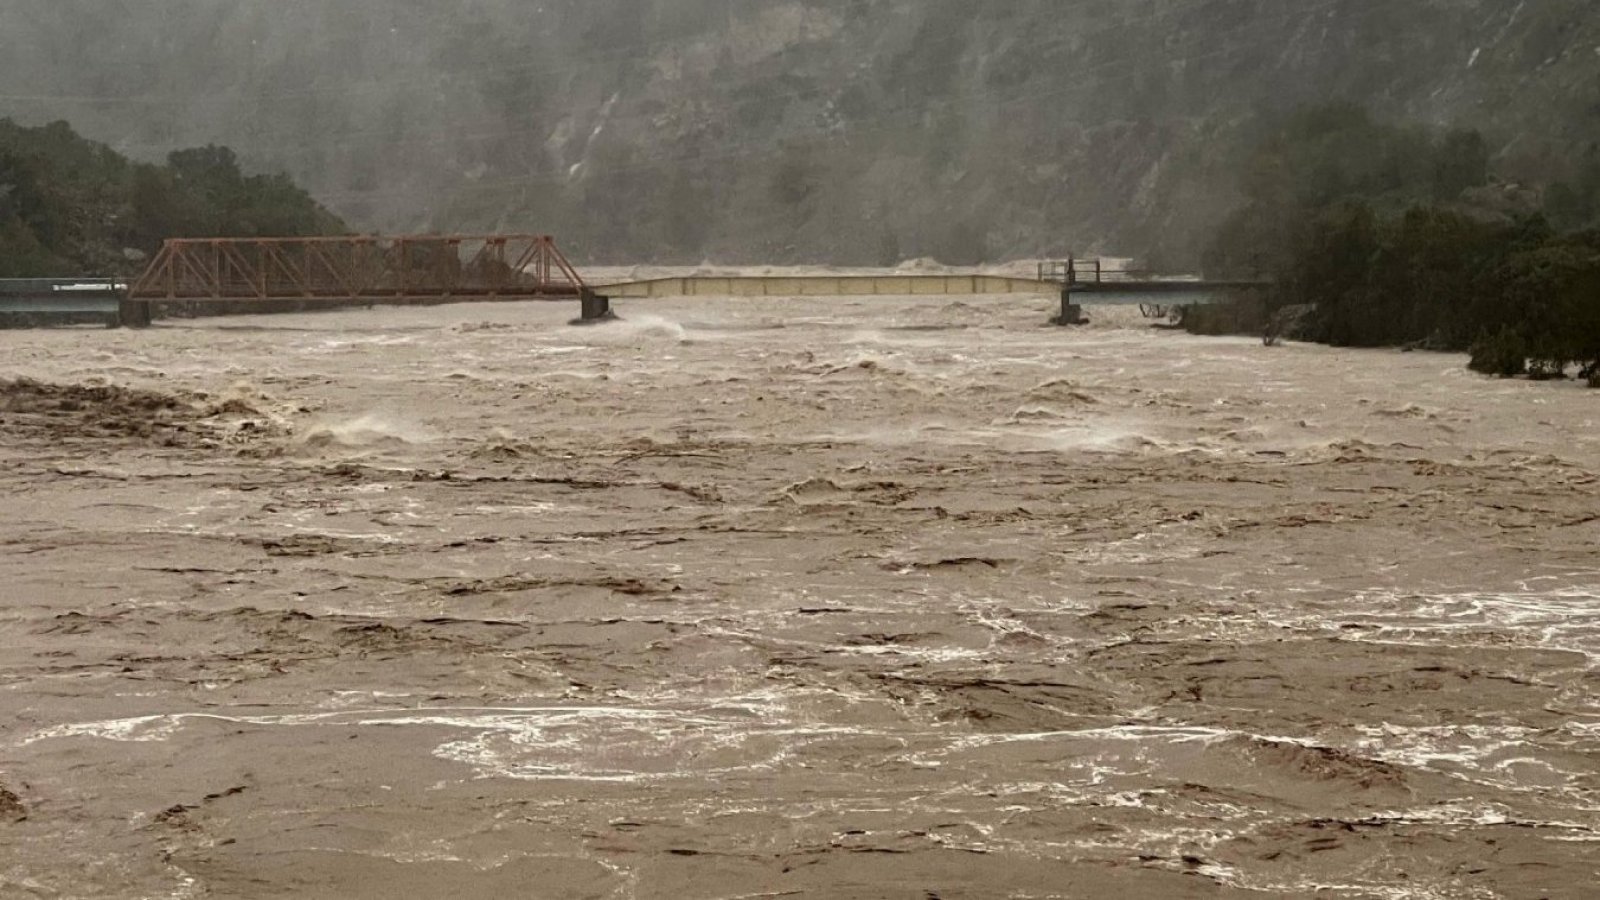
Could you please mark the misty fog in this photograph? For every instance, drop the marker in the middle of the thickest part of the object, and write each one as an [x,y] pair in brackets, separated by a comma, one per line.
[834,131]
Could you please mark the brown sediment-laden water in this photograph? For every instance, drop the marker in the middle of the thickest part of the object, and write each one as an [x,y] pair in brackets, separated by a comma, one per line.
[834,599]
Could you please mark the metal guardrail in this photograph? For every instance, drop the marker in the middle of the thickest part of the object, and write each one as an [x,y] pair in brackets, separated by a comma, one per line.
[1072,271]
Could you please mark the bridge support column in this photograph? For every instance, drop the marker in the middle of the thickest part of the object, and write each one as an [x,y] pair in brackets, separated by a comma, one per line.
[595,308]
[1071,313]
[133,313]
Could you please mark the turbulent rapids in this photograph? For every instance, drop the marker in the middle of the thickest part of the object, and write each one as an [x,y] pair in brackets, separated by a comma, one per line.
[887,597]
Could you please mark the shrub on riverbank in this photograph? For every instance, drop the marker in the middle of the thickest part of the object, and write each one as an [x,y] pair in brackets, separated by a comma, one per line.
[1504,354]
[1245,314]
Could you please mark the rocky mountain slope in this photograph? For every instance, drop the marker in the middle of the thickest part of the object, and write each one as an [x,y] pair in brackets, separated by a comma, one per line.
[844,131]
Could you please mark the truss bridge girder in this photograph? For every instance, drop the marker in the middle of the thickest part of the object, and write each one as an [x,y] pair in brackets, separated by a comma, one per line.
[360,268]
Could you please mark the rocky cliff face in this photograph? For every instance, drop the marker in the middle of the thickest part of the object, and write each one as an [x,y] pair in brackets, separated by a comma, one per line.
[846,131]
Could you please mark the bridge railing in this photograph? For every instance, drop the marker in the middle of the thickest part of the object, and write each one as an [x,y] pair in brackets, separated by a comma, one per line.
[1091,271]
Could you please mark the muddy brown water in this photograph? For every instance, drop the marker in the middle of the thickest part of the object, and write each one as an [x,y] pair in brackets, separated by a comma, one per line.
[835,599]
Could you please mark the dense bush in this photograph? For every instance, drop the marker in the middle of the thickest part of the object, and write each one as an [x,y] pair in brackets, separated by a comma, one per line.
[1247,314]
[70,206]
[1503,353]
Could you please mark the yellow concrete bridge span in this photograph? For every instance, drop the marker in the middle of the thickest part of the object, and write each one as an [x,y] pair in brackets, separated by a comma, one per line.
[827,286]
[1165,293]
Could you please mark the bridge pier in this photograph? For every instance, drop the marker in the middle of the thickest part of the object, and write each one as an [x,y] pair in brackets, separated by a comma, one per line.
[595,308]
[1071,313]
[133,313]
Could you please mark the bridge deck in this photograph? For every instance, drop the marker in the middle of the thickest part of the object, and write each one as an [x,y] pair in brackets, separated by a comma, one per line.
[63,300]
[1163,286]
[826,286]
[896,285]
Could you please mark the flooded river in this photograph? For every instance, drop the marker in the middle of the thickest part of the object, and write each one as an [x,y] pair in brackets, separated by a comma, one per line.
[832,599]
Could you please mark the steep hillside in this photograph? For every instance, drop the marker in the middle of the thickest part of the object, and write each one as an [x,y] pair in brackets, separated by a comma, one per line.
[850,131]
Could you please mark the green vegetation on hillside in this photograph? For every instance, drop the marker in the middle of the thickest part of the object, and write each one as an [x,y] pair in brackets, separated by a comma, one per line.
[1327,155]
[1398,236]
[70,206]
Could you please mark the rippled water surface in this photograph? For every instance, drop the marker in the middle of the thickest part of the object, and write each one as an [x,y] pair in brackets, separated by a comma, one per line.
[732,599]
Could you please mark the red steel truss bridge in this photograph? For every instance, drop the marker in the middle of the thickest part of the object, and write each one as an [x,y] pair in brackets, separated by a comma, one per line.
[359,269]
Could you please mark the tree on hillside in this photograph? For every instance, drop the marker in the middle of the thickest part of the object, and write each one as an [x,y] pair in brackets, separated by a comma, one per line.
[24,216]
[1460,163]
[1575,203]
[1323,156]
[1378,228]
[70,206]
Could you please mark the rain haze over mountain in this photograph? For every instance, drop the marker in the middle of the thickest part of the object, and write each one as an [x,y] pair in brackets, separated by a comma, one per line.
[839,131]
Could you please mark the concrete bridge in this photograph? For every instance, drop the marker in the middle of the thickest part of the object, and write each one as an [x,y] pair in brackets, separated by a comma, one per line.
[58,301]
[1061,282]
[825,286]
